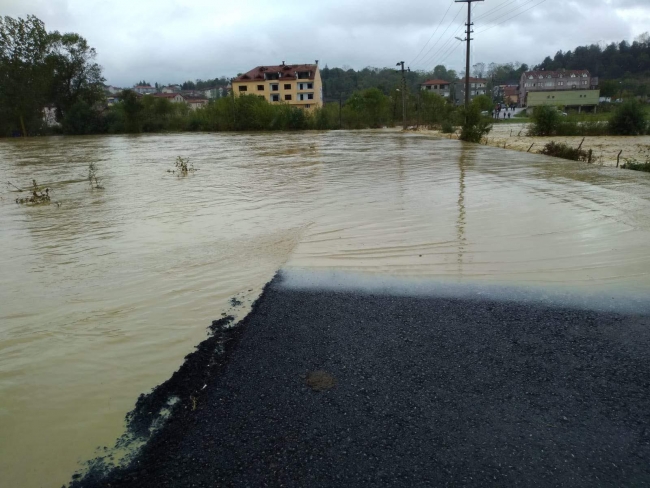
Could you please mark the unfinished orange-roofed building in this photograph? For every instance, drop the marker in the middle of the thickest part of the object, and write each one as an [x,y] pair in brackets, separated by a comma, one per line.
[299,85]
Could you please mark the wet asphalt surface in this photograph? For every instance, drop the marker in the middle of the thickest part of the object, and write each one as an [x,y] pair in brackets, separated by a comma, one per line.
[428,392]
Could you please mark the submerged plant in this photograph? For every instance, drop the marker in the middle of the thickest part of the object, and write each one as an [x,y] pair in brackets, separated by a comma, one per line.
[561,150]
[95,183]
[636,165]
[38,196]
[183,167]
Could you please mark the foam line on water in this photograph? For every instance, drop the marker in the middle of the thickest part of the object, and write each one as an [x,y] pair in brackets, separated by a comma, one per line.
[366,283]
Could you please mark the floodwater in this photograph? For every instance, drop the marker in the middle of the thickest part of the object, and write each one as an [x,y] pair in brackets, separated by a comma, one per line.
[102,297]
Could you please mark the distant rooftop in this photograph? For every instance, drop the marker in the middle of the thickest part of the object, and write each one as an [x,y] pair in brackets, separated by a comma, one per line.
[436,82]
[284,72]
[556,74]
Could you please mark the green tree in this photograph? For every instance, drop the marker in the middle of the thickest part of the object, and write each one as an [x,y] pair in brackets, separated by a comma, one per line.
[629,119]
[82,119]
[23,74]
[132,108]
[608,88]
[483,102]
[75,74]
[545,121]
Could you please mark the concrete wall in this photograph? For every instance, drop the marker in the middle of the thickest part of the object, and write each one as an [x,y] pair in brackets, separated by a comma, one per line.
[569,98]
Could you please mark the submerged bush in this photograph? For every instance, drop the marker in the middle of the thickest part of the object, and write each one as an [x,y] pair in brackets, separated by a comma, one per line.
[561,150]
[635,165]
[475,126]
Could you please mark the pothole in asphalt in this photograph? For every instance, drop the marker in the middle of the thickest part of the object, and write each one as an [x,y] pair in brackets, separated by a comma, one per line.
[320,380]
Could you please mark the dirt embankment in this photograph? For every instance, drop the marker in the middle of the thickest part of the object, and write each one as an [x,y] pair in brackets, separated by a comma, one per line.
[605,148]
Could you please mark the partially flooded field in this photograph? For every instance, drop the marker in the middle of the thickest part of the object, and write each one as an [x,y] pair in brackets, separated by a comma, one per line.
[102,296]
[607,150]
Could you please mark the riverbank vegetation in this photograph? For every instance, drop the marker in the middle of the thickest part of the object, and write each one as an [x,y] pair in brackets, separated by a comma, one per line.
[630,118]
[562,150]
[635,165]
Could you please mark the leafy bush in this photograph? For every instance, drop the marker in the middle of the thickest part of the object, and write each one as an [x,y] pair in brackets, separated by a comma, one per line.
[581,126]
[636,165]
[447,127]
[629,119]
[546,121]
[474,126]
[561,150]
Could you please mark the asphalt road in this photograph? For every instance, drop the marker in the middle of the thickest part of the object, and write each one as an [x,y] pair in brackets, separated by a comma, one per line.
[422,392]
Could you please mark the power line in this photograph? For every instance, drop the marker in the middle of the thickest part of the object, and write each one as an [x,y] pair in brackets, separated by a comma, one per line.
[443,47]
[514,9]
[434,32]
[451,51]
[490,12]
[441,35]
[516,15]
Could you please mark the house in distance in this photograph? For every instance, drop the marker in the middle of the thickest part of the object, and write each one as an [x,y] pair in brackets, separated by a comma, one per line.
[564,88]
[298,85]
[439,87]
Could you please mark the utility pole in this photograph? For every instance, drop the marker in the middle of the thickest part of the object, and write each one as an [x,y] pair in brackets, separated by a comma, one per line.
[468,32]
[403,95]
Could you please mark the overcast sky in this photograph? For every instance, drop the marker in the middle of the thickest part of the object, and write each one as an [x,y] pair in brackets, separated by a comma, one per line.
[176,40]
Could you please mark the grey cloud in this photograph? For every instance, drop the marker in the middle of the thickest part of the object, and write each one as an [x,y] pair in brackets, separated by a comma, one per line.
[174,40]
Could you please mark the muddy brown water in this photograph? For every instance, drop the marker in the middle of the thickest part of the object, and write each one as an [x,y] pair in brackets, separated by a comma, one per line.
[102,297]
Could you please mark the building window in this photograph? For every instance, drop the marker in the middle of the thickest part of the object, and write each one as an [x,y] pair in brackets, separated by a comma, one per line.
[307,106]
[287,86]
[243,88]
[287,98]
[275,87]
[310,96]
[310,86]
[275,98]
[260,87]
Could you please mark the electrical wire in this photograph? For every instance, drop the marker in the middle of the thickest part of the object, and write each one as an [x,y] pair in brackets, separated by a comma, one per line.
[490,12]
[434,33]
[443,47]
[441,35]
[452,50]
[516,15]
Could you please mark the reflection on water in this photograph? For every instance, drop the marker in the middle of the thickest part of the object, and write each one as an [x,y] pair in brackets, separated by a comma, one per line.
[461,209]
[101,298]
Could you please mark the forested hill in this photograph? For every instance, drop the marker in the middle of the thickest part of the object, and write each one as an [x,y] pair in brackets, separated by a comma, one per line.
[615,61]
